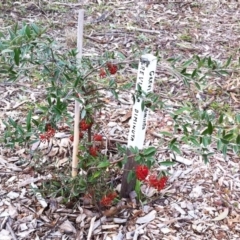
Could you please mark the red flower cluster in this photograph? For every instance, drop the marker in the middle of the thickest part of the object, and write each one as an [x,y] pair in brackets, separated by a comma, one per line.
[97,137]
[84,125]
[48,134]
[107,200]
[112,68]
[159,184]
[93,151]
[141,172]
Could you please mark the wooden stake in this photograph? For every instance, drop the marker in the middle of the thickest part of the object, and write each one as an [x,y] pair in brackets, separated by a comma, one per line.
[77,105]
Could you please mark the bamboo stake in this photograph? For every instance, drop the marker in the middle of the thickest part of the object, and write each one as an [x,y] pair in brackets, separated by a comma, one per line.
[77,105]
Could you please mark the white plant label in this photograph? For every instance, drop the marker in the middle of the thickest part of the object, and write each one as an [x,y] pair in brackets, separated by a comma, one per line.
[145,79]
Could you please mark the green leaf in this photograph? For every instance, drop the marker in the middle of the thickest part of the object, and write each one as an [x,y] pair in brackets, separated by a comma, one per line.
[220,120]
[167,163]
[205,132]
[173,141]
[28,121]
[28,31]
[104,164]
[210,128]
[174,148]
[149,151]
[194,141]
[197,85]
[206,141]
[138,188]
[205,158]
[236,149]
[201,62]
[83,113]
[194,73]
[229,136]
[131,176]
[209,62]
[224,150]
[35,28]
[17,53]
[12,122]
[219,145]
[7,51]
[188,62]
[228,62]
[181,110]
[166,133]
[238,139]
[237,118]
[224,141]
[96,174]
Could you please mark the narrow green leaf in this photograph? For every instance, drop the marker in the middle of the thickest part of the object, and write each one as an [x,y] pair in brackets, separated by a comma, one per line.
[131,176]
[173,141]
[224,150]
[174,148]
[28,120]
[194,73]
[228,62]
[104,164]
[96,174]
[167,163]
[219,145]
[224,141]
[149,151]
[188,62]
[205,132]
[220,120]
[12,122]
[210,128]
[209,62]
[238,139]
[166,133]
[17,52]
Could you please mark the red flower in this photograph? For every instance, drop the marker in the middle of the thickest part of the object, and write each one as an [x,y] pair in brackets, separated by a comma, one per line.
[159,184]
[102,73]
[141,172]
[106,200]
[84,125]
[152,181]
[93,151]
[97,137]
[112,68]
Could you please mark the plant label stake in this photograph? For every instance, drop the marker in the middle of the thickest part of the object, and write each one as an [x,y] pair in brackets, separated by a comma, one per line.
[77,105]
[145,79]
